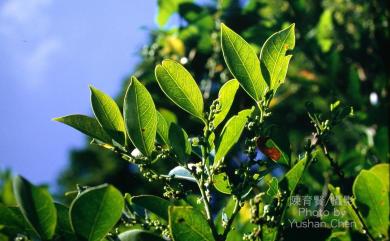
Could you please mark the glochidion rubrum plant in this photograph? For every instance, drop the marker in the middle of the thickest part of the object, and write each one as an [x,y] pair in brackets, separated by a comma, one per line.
[206,196]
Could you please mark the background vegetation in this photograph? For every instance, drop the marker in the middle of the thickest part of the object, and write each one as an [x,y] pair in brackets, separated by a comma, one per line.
[339,55]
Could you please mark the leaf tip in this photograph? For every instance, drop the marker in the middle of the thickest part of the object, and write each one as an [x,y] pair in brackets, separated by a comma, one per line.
[58,119]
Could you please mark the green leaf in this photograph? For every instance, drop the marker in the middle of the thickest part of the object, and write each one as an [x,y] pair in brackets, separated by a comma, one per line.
[87,125]
[179,142]
[273,56]
[231,133]
[108,114]
[167,8]
[221,183]
[180,87]
[325,31]
[382,171]
[64,228]
[243,63]
[168,115]
[273,187]
[268,233]
[154,204]
[293,176]
[225,97]
[37,207]
[162,128]
[187,224]
[139,235]
[95,212]
[140,117]
[339,236]
[346,208]
[13,219]
[372,201]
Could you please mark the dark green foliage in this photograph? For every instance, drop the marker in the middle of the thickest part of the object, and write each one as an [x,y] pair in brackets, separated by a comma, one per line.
[200,152]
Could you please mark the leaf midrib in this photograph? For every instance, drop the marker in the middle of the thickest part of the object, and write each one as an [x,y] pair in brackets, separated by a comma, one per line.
[181,90]
[106,115]
[242,63]
[139,120]
[278,56]
[97,216]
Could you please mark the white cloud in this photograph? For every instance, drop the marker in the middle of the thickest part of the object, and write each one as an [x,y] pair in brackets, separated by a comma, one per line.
[28,38]
[38,62]
[22,11]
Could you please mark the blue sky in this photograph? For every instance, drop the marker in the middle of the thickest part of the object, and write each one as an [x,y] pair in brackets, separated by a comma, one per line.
[49,52]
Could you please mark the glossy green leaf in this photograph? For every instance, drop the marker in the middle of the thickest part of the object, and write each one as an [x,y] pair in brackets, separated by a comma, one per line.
[139,235]
[273,56]
[154,204]
[87,125]
[167,8]
[180,87]
[64,228]
[187,224]
[221,183]
[372,200]
[162,128]
[243,63]
[95,212]
[225,98]
[13,219]
[382,171]
[230,134]
[140,117]
[36,205]
[108,114]
[178,139]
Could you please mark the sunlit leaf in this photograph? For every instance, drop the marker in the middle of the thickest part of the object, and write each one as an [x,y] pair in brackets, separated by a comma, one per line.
[372,200]
[382,171]
[274,58]
[108,114]
[230,134]
[225,98]
[294,175]
[243,63]
[167,8]
[87,125]
[162,128]
[180,87]
[140,117]
[221,183]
